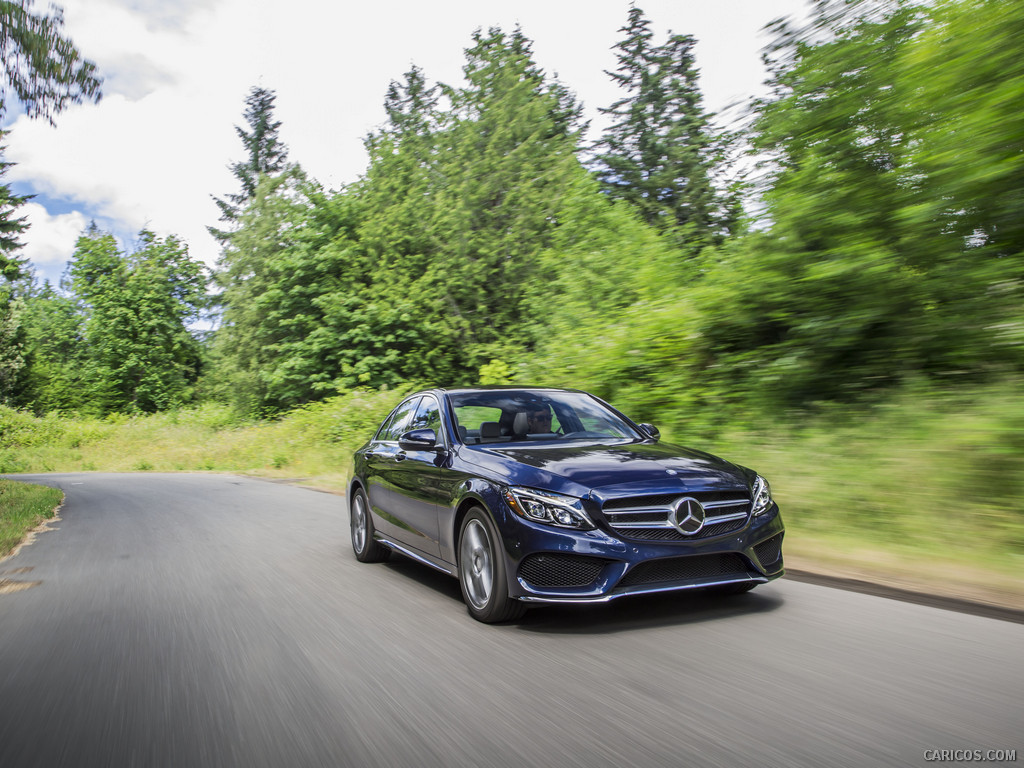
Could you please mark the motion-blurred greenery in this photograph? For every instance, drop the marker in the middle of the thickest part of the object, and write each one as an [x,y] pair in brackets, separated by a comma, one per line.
[917,480]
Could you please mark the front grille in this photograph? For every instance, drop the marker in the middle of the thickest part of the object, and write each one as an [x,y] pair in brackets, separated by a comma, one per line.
[685,568]
[769,551]
[641,501]
[560,570]
[646,518]
[671,534]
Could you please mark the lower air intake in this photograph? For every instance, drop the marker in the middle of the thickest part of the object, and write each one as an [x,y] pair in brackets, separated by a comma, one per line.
[769,551]
[685,568]
[558,570]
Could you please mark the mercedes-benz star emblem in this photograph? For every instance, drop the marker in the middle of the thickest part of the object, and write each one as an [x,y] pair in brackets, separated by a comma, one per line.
[687,516]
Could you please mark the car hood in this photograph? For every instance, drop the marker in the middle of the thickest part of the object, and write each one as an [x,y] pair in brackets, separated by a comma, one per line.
[577,468]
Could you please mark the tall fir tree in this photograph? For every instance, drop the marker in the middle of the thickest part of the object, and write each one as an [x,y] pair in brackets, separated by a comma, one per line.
[43,71]
[657,152]
[12,226]
[266,156]
[274,349]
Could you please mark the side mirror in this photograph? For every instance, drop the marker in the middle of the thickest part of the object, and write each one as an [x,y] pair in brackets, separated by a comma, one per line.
[418,440]
[651,430]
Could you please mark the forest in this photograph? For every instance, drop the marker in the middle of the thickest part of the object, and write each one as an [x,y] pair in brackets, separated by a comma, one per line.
[855,242]
[873,235]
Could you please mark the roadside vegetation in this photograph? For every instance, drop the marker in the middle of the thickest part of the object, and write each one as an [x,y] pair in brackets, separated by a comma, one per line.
[917,486]
[848,317]
[23,506]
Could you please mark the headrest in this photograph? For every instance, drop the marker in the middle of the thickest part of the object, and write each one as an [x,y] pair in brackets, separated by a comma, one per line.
[522,424]
[489,429]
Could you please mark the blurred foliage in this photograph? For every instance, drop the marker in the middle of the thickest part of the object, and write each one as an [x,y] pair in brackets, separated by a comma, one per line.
[886,246]
[870,266]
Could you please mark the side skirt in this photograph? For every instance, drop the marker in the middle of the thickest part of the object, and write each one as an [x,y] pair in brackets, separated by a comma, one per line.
[437,565]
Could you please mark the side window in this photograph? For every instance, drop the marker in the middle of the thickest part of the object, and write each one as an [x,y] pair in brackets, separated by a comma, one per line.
[385,426]
[397,425]
[428,416]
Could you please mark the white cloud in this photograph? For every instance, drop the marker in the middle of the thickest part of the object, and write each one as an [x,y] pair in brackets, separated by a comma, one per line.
[53,237]
[158,145]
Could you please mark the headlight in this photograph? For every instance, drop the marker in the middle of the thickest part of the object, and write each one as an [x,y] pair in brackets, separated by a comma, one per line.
[762,496]
[547,507]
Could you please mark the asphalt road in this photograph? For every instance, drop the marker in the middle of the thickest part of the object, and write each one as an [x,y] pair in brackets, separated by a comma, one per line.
[203,620]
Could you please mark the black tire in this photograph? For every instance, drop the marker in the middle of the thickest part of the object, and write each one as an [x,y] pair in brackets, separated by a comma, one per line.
[366,548]
[482,571]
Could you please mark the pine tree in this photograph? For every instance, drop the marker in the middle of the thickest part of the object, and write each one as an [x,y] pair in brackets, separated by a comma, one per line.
[42,70]
[44,73]
[267,156]
[656,152]
[11,226]
[273,349]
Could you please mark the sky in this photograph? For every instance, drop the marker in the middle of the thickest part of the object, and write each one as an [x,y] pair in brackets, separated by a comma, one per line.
[158,145]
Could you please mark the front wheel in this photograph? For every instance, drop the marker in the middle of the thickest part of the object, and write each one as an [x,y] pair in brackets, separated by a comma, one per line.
[367,549]
[482,571]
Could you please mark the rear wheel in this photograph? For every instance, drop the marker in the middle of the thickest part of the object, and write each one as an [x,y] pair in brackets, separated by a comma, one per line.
[482,571]
[367,549]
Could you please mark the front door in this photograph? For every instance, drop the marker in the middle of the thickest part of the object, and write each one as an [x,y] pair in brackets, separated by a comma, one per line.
[416,484]
[381,462]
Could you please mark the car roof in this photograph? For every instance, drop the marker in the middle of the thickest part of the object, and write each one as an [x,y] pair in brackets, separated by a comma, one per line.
[501,388]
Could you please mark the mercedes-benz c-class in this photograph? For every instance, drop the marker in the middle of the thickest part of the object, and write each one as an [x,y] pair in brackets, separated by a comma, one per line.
[535,495]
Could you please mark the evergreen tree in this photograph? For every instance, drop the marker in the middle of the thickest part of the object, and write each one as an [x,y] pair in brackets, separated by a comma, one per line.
[11,225]
[275,349]
[141,355]
[266,156]
[57,356]
[12,347]
[44,73]
[480,193]
[657,152]
[43,70]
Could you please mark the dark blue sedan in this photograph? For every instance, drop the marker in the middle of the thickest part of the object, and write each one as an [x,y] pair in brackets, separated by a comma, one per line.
[552,496]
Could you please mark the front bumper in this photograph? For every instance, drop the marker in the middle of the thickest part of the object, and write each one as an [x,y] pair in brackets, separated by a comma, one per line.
[551,565]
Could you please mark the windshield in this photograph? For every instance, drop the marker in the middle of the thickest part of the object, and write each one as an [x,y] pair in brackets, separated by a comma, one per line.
[504,416]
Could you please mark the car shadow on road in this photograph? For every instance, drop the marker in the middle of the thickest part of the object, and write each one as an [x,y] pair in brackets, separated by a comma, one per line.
[441,583]
[625,614]
[646,612]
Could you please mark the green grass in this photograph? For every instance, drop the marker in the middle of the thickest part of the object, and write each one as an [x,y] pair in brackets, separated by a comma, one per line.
[22,508]
[925,486]
[314,443]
